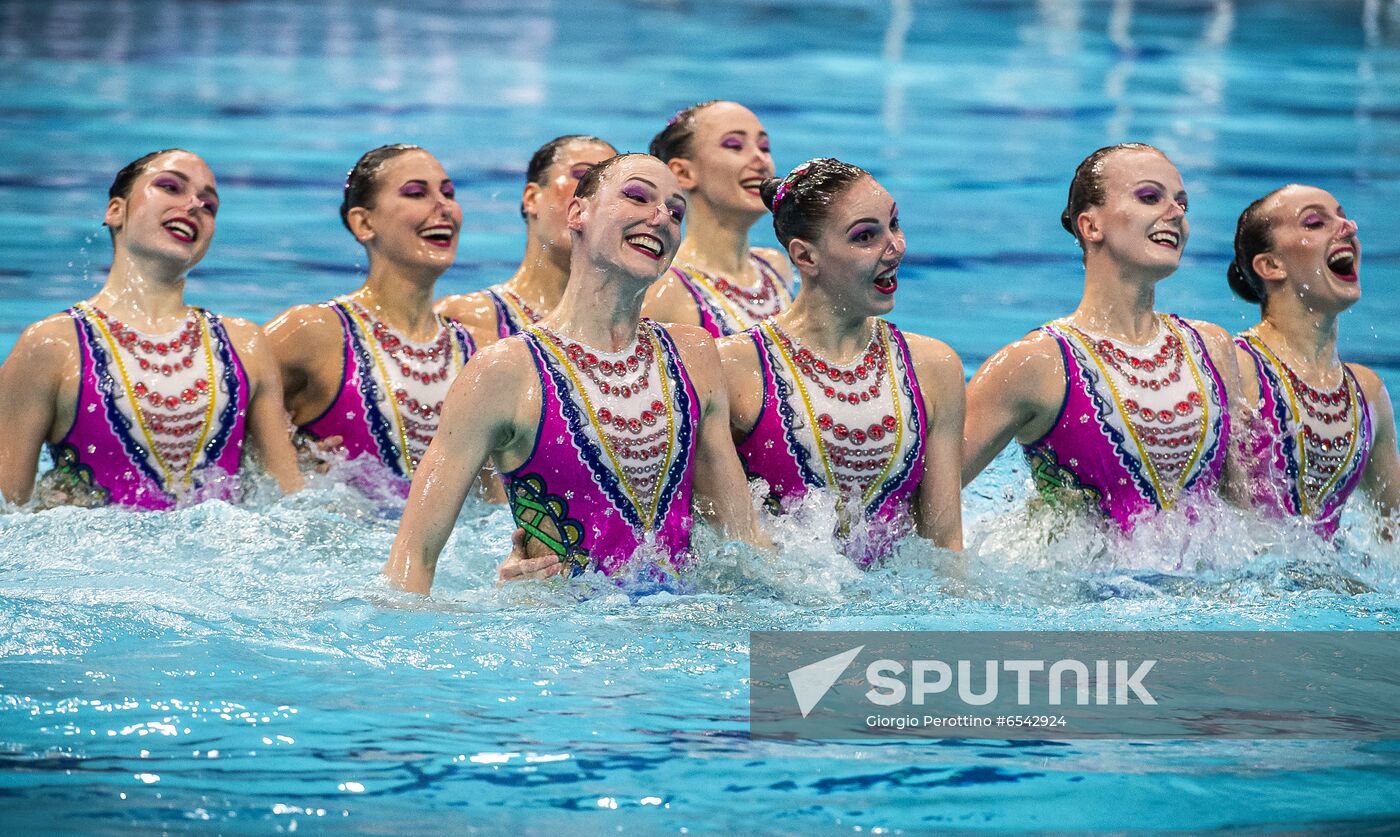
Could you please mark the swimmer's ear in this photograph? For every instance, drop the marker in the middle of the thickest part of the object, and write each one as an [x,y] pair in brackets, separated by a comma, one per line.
[803,255]
[683,171]
[116,214]
[529,200]
[575,214]
[1088,224]
[357,218]
[1269,267]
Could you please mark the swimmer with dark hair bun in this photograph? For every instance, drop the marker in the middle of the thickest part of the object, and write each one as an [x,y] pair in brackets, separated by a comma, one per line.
[1116,405]
[145,401]
[368,371]
[1320,428]
[719,152]
[537,285]
[828,394]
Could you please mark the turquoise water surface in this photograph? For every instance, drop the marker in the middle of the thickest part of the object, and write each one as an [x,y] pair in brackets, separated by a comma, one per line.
[242,669]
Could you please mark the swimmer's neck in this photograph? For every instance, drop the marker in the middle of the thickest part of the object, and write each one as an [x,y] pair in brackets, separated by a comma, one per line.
[826,326]
[1307,339]
[600,308]
[401,298]
[718,242]
[1117,302]
[542,275]
[147,294]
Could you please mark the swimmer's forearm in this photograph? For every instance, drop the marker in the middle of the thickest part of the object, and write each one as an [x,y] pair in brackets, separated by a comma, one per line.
[410,569]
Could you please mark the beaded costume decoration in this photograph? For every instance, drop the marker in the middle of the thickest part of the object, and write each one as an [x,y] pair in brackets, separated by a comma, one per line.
[728,308]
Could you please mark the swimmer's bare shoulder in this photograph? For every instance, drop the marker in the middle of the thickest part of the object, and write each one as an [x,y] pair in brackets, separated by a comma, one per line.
[45,364]
[476,311]
[38,395]
[498,395]
[778,260]
[668,301]
[939,371]
[700,357]
[743,379]
[1225,354]
[1016,394]
[307,342]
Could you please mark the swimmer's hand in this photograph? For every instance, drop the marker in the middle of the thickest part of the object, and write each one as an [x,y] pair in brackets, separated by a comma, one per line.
[316,454]
[519,565]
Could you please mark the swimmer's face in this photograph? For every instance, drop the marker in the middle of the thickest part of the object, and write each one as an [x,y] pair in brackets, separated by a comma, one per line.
[414,218]
[858,255]
[1142,222]
[1316,252]
[729,159]
[169,212]
[632,223]
[546,204]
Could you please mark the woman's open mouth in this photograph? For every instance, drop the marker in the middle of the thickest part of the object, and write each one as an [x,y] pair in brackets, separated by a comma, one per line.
[1166,238]
[1342,263]
[647,244]
[888,281]
[439,235]
[182,229]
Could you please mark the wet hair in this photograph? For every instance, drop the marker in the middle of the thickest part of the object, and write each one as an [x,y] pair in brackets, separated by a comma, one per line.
[808,192]
[548,154]
[364,177]
[1254,234]
[126,177]
[1087,189]
[676,138]
[593,178]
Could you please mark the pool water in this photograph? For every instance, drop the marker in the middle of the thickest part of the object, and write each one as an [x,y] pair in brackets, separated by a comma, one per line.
[242,669]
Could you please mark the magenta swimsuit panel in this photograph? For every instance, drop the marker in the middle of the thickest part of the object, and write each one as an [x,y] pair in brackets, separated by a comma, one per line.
[508,322]
[1273,457]
[363,429]
[779,448]
[102,447]
[1090,449]
[567,491]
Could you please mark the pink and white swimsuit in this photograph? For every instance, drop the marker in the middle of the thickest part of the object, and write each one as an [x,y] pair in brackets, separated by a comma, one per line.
[859,429]
[1140,428]
[512,314]
[160,420]
[726,308]
[391,390]
[1309,448]
[614,454]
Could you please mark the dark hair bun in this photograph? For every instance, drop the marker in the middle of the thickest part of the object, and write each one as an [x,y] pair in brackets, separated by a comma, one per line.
[1067,222]
[1242,285]
[768,190]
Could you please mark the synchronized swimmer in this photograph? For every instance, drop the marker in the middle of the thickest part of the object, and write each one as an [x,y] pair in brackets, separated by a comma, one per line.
[628,379]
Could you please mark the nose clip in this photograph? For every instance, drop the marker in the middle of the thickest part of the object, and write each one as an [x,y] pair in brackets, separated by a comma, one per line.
[1348,228]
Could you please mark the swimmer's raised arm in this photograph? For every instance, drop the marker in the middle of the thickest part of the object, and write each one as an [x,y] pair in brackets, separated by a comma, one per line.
[481,417]
[30,380]
[938,510]
[269,427]
[1016,394]
[721,492]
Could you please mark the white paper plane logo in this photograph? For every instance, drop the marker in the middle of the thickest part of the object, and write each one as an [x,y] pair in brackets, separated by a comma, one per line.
[811,683]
